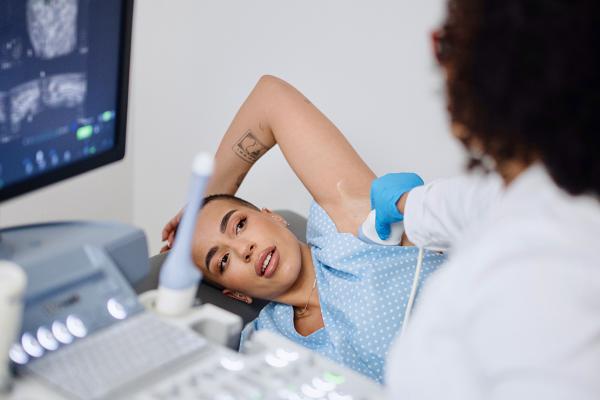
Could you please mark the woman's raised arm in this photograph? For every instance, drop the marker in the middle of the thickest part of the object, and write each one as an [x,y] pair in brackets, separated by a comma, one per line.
[330,169]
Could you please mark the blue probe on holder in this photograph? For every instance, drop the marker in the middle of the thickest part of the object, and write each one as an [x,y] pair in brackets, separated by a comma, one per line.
[179,276]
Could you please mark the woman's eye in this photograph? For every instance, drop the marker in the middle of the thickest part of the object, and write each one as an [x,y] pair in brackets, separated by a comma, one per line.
[223,263]
[240,225]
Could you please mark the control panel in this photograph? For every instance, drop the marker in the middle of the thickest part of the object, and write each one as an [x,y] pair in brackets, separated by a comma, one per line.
[70,297]
[273,368]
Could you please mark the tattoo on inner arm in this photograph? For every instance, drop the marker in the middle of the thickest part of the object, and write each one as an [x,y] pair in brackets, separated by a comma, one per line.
[249,148]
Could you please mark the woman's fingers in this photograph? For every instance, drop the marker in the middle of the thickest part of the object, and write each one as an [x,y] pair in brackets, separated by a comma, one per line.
[170,228]
[171,238]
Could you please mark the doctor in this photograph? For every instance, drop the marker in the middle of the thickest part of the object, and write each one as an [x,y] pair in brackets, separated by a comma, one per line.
[515,313]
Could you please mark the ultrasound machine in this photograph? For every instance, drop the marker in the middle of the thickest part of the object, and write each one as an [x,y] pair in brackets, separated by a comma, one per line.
[85,333]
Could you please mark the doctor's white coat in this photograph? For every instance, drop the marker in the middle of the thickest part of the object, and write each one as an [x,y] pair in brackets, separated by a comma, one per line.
[515,312]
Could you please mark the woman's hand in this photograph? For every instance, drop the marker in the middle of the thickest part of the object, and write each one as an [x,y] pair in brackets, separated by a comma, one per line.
[169,231]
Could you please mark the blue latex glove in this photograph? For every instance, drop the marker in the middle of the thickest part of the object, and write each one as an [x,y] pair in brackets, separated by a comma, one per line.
[385,193]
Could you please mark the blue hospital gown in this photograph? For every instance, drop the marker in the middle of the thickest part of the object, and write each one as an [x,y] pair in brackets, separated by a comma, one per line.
[363,291]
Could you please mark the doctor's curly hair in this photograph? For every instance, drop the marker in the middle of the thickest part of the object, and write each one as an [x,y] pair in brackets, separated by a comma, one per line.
[523,79]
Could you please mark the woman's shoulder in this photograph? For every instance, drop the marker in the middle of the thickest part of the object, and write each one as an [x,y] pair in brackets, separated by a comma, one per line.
[274,315]
[319,222]
[326,219]
[345,213]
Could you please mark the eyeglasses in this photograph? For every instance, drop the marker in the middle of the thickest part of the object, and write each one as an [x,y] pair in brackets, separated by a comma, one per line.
[439,42]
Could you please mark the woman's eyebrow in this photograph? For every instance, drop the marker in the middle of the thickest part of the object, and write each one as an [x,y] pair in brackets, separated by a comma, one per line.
[209,256]
[214,249]
[225,220]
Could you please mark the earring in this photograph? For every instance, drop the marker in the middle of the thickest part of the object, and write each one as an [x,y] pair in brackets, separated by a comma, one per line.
[241,297]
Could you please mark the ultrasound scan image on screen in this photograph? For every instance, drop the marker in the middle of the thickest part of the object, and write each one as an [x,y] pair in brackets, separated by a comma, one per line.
[60,66]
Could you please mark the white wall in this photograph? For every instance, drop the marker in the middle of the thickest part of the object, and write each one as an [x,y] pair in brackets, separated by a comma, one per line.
[366,64]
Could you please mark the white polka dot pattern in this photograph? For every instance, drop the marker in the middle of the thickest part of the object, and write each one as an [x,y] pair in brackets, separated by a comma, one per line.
[363,290]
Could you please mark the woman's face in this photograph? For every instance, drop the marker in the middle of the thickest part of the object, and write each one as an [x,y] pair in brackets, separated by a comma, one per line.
[246,250]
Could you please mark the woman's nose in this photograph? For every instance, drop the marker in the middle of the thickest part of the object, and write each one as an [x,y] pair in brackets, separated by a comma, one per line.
[248,251]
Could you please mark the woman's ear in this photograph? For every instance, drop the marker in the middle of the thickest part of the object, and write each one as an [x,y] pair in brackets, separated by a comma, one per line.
[278,218]
[234,294]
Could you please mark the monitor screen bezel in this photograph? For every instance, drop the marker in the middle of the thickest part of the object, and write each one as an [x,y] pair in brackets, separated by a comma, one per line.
[118,151]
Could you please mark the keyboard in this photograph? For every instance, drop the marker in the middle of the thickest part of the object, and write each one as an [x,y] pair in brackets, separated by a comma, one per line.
[110,360]
[273,368]
[146,358]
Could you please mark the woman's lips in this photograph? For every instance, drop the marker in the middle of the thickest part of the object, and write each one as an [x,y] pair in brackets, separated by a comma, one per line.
[272,255]
[272,266]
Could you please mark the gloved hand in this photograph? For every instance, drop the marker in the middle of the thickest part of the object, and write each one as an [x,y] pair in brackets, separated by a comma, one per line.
[385,193]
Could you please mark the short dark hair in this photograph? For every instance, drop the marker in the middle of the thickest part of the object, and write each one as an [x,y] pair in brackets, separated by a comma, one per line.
[524,80]
[230,197]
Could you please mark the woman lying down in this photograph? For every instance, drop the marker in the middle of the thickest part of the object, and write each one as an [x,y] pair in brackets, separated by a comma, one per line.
[335,294]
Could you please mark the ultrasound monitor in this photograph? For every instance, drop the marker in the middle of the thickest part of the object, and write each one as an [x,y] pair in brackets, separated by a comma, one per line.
[64,73]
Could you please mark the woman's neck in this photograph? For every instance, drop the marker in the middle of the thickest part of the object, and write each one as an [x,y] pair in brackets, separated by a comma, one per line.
[303,294]
[307,314]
